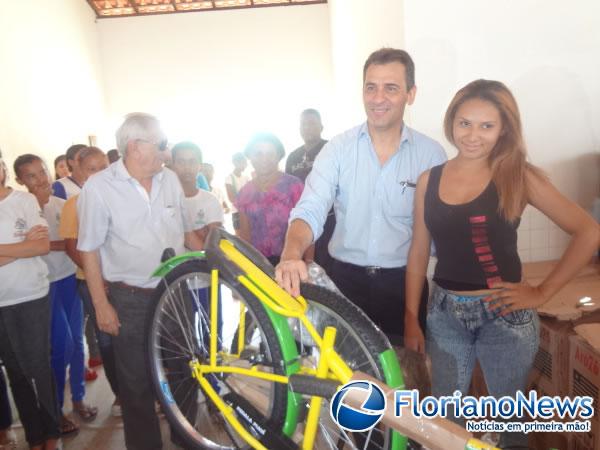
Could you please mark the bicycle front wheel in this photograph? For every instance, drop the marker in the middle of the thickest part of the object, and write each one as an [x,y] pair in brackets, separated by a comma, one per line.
[179,337]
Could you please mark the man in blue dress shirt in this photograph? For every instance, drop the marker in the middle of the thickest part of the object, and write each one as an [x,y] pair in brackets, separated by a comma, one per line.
[368,174]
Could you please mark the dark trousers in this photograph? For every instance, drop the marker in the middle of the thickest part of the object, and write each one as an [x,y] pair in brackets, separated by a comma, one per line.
[25,350]
[322,256]
[5,412]
[105,343]
[140,422]
[380,294]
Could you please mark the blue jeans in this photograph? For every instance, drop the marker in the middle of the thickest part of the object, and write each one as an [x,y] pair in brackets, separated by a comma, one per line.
[462,330]
[67,338]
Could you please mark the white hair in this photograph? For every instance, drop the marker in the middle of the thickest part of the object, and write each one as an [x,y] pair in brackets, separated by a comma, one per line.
[137,125]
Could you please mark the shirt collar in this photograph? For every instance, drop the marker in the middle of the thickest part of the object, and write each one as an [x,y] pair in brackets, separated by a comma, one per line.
[407,135]
[121,172]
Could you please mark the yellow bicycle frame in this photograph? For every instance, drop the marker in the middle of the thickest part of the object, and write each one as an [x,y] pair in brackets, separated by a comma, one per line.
[330,364]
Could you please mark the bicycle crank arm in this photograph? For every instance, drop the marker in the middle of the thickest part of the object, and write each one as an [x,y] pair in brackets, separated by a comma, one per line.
[270,437]
[310,385]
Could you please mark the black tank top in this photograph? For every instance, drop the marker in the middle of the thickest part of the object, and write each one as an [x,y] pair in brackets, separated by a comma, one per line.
[475,246]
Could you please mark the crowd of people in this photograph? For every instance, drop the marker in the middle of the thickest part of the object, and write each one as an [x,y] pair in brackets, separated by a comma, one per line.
[367,206]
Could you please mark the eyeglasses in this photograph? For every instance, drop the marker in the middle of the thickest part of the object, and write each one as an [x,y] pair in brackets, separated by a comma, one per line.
[161,145]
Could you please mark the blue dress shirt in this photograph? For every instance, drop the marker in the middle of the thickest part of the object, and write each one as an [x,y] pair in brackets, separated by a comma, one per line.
[373,203]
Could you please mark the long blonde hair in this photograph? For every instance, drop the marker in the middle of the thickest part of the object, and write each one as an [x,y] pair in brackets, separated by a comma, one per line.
[508,159]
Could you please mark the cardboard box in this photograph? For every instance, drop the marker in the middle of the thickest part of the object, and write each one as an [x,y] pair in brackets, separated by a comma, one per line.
[550,373]
[584,379]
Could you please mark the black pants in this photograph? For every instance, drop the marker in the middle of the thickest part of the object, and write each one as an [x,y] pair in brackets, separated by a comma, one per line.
[25,350]
[322,256]
[5,412]
[142,431]
[380,294]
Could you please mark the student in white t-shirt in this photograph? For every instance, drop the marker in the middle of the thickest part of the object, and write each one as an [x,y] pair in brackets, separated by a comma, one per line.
[234,183]
[67,312]
[203,209]
[25,314]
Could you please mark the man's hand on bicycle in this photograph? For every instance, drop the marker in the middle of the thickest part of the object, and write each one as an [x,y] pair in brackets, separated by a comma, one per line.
[290,273]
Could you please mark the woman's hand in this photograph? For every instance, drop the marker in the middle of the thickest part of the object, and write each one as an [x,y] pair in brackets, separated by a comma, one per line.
[514,296]
[414,339]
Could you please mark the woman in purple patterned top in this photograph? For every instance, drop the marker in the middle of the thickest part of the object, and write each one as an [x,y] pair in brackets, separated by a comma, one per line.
[265,202]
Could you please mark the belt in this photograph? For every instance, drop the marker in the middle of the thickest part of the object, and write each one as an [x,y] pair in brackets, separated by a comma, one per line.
[130,288]
[371,271]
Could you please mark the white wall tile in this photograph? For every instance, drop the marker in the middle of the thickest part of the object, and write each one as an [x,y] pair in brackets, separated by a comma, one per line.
[524,239]
[539,254]
[558,238]
[555,252]
[539,239]
[525,219]
[525,255]
[538,220]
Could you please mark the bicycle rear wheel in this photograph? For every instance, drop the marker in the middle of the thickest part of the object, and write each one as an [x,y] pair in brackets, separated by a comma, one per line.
[179,333]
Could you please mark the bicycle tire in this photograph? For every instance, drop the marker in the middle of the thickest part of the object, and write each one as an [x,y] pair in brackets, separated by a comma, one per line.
[360,353]
[172,343]
[359,342]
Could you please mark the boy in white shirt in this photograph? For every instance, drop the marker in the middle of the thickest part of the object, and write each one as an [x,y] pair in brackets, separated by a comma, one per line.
[203,207]
[67,312]
[25,314]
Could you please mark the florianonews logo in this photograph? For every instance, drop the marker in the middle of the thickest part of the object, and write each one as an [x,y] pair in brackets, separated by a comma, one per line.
[358,419]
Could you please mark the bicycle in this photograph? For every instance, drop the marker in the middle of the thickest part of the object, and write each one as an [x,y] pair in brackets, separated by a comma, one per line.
[259,378]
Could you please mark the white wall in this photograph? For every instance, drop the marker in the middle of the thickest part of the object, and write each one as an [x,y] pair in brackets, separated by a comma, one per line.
[217,77]
[50,82]
[547,52]
[357,28]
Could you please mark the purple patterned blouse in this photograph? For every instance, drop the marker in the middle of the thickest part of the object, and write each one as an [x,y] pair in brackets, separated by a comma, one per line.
[269,211]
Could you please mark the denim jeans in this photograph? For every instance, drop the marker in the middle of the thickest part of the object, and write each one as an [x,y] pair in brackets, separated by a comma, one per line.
[67,338]
[462,330]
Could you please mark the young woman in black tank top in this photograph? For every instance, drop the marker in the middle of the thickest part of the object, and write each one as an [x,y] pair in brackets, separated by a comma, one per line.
[481,308]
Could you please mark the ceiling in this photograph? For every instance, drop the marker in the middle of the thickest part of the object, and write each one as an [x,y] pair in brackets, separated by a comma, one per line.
[120,8]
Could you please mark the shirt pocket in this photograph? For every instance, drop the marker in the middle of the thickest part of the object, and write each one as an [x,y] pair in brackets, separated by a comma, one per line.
[171,219]
[400,199]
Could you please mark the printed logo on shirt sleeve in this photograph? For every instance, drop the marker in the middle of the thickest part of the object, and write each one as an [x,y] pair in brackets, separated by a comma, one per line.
[20,227]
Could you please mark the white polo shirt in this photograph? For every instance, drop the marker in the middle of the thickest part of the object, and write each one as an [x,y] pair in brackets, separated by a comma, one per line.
[202,209]
[24,279]
[129,227]
[59,264]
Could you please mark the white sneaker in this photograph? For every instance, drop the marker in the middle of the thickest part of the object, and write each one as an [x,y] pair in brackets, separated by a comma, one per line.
[10,441]
[115,410]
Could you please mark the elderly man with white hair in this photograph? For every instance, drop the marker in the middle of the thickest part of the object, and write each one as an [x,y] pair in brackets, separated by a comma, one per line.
[129,213]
